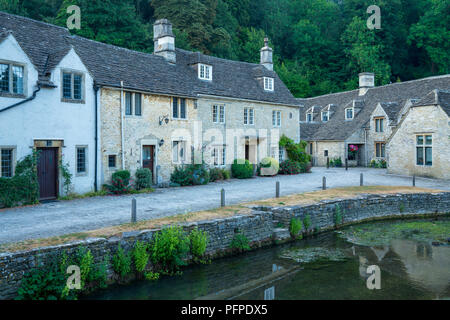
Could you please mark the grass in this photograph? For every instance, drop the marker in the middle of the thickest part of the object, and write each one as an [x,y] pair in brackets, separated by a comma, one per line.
[101,193]
[229,211]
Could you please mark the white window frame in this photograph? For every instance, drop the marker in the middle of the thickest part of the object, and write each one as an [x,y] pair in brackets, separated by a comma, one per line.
[424,146]
[218,156]
[268,84]
[308,117]
[327,113]
[218,113]
[353,113]
[180,144]
[178,108]
[11,93]
[249,116]
[281,155]
[276,118]
[13,159]
[72,88]
[86,162]
[205,72]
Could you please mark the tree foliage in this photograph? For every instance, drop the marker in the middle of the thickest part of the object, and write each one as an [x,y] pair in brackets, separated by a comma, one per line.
[319,45]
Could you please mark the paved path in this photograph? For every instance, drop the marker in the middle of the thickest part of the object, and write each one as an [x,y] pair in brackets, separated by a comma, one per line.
[58,218]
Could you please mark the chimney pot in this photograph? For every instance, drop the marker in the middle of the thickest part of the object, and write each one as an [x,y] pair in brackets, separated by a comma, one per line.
[164,40]
[366,81]
[267,55]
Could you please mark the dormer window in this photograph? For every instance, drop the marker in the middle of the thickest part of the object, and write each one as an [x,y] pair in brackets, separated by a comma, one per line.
[309,117]
[268,84]
[204,72]
[349,113]
[325,116]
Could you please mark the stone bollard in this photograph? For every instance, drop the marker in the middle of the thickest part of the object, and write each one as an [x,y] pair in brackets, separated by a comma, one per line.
[277,189]
[361,180]
[414,180]
[324,183]
[328,162]
[133,211]
[222,198]
[346,164]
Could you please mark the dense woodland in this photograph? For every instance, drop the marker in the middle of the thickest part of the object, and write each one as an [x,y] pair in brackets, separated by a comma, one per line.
[319,45]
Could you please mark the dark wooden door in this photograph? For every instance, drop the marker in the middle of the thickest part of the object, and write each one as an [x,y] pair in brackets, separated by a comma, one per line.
[148,157]
[247,152]
[48,173]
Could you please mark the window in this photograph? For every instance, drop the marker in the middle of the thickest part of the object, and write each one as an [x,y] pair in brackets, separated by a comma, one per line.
[72,86]
[204,72]
[11,79]
[280,155]
[268,84]
[276,118]
[249,116]
[137,104]
[310,148]
[218,114]
[424,150]
[218,156]
[179,151]
[349,114]
[179,108]
[325,153]
[379,124]
[128,107]
[7,163]
[325,116]
[380,149]
[309,117]
[112,161]
[81,160]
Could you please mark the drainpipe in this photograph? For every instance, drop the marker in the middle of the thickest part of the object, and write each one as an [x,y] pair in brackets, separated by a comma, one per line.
[365,146]
[23,101]
[96,88]
[122,123]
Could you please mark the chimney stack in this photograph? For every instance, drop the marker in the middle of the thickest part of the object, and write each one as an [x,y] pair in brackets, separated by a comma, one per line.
[366,81]
[164,40]
[266,55]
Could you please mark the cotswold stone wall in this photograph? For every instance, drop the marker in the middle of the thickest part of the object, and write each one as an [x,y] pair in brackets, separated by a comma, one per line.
[258,227]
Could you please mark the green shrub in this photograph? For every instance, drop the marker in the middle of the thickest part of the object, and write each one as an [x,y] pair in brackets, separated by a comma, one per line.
[191,174]
[290,167]
[240,242]
[140,256]
[23,187]
[199,242]
[307,222]
[269,167]
[121,262]
[215,174]
[152,276]
[381,163]
[336,162]
[226,174]
[169,249]
[295,228]
[242,169]
[120,182]
[295,151]
[143,179]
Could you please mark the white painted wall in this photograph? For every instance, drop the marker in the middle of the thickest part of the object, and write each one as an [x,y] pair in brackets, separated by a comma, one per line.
[47,117]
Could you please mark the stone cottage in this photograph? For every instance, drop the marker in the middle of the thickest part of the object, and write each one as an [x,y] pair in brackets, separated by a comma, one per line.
[356,125]
[420,145]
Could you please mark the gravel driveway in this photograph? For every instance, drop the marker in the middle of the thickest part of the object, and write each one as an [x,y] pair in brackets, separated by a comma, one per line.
[63,217]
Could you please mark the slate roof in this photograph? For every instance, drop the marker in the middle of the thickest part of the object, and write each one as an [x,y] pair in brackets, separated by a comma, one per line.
[393,96]
[436,97]
[47,44]
[392,109]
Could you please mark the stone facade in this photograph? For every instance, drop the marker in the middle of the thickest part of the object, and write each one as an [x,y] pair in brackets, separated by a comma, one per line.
[260,227]
[327,149]
[198,130]
[401,147]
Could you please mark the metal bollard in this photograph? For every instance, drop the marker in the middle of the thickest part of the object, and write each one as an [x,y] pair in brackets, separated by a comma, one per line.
[277,189]
[133,211]
[414,180]
[324,183]
[328,162]
[222,198]
[346,164]
[361,180]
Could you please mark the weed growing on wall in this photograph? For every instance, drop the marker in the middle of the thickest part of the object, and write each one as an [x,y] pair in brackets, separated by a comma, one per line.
[121,262]
[295,228]
[199,242]
[141,256]
[240,242]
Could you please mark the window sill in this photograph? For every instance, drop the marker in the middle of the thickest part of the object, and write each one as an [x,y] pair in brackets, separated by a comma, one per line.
[179,119]
[81,174]
[12,95]
[72,101]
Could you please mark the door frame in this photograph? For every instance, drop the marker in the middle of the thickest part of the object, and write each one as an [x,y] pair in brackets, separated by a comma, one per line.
[56,151]
[154,143]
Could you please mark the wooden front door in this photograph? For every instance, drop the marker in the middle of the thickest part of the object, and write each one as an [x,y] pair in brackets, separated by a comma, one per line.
[48,173]
[148,157]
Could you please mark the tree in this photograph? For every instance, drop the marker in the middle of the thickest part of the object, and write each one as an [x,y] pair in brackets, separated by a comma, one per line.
[13,6]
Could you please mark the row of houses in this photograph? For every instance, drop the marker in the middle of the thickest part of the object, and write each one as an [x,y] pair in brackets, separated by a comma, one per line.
[98,108]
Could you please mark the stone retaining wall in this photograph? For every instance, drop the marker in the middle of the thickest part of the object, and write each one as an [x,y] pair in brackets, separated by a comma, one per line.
[258,227]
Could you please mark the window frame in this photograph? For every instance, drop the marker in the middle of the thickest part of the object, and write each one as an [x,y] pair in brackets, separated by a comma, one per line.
[219,153]
[86,156]
[269,84]
[353,113]
[207,71]
[381,147]
[247,117]
[72,99]
[424,146]
[379,124]
[13,160]
[10,93]
[220,113]
[327,113]
[179,108]
[276,118]
[109,161]
[309,117]
[179,160]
